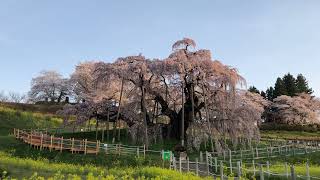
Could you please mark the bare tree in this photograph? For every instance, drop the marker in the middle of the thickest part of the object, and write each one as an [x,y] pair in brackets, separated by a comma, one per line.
[3,97]
[16,97]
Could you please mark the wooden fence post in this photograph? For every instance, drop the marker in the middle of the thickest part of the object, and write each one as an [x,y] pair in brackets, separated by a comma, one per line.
[61,144]
[138,152]
[261,172]
[257,152]
[268,169]
[239,170]
[197,167]
[207,163]
[286,168]
[201,156]
[230,161]
[97,147]
[293,175]
[41,142]
[180,168]
[307,170]
[188,164]
[254,168]
[51,142]
[18,133]
[72,145]
[216,164]
[144,151]
[221,170]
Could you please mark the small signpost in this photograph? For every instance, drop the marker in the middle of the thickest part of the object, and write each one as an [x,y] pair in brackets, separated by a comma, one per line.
[166,155]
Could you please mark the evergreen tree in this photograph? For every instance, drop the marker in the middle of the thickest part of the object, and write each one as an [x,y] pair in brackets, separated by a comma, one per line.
[290,84]
[270,93]
[279,88]
[263,94]
[253,89]
[302,85]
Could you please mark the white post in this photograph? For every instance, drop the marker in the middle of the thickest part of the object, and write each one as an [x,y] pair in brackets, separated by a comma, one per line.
[293,175]
[180,168]
[286,168]
[261,172]
[188,164]
[197,167]
[307,170]
[221,170]
[239,169]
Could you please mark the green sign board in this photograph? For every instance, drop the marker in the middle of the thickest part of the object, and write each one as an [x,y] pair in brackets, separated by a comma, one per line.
[166,155]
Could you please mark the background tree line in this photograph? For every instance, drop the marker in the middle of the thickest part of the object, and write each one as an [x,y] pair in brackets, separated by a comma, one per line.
[287,85]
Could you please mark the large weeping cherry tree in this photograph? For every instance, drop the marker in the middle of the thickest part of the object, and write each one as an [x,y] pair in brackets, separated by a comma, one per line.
[188,97]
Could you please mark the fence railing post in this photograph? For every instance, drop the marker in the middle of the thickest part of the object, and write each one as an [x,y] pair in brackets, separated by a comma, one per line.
[197,167]
[72,145]
[97,147]
[138,154]
[207,163]
[221,170]
[216,164]
[144,151]
[307,171]
[180,168]
[41,142]
[286,168]
[61,144]
[239,170]
[293,175]
[268,169]
[51,142]
[188,164]
[85,146]
[254,168]
[201,156]
[261,172]
[230,161]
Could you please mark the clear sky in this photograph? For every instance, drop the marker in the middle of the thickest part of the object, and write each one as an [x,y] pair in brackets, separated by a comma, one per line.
[264,39]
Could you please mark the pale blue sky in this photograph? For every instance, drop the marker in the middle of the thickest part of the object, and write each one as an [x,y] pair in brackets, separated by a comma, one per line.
[263,39]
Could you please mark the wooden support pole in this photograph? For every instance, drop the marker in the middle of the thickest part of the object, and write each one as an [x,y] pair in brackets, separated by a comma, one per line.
[144,151]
